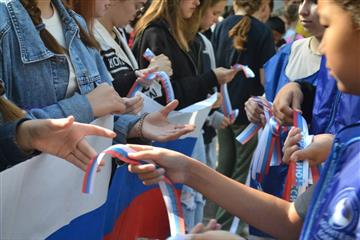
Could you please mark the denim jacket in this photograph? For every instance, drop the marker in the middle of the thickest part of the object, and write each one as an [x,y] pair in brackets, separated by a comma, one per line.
[36,79]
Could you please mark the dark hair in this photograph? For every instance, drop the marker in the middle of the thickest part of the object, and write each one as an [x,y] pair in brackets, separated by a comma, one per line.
[276,24]
[49,41]
[240,31]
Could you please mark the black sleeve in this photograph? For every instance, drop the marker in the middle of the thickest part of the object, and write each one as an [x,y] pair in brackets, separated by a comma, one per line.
[187,90]
[307,106]
[303,201]
[124,81]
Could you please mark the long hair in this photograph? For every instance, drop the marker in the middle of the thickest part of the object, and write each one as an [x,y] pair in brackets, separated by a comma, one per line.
[353,7]
[8,110]
[239,33]
[168,10]
[49,41]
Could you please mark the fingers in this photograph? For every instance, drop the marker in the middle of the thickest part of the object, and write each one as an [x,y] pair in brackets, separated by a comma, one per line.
[140,147]
[169,107]
[84,147]
[148,173]
[77,162]
[134,104]
[290,145]
[142,169]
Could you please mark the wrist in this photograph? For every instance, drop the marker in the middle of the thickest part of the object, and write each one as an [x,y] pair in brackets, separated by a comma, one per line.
[23,137]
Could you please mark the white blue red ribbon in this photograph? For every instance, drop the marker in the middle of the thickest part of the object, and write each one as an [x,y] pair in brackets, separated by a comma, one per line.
[162,76]
[226,104]
[300,175]
[169,193]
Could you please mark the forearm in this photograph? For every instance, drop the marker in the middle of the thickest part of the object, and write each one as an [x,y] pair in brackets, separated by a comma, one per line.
[266,212]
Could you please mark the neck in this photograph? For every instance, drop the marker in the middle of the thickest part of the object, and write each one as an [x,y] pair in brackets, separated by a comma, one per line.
[314,45]
[45,7]
[240,11]
[107,23]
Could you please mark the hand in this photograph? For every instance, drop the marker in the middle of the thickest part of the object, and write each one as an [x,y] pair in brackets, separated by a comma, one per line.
[225,75]
[288,99]
[212,225]
[157,127]
[134,104]
[219,100]
[173,164]
[142,74]
[226,122]
[254,112]
[105,100]
[61,137]
[316,153]
[161,63]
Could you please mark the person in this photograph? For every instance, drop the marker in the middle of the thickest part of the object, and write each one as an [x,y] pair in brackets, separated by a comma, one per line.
[336,193]
[245,40]
[165,29]
[118,57]
[277,26]
[206,16]
[265,10]
[162,29]
[79,83]
[61,137]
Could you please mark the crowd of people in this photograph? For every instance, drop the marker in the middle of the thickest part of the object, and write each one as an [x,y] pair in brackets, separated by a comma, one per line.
[65,63]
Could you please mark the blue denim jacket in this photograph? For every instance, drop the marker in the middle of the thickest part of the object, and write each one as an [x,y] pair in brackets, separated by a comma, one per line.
[36,79]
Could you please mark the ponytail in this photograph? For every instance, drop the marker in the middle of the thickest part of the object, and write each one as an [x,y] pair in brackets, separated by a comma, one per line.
[239,33]
[49,41]
[8,110]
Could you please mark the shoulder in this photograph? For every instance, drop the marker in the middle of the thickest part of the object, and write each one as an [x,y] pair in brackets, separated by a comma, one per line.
[4,17]
[78,18]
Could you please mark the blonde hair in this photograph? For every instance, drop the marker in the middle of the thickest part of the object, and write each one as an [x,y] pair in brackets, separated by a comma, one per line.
[8,110]
[239,33]
[353,7]
[168,10]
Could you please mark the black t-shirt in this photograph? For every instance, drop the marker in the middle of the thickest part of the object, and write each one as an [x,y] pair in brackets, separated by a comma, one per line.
[303,202]
[258,49]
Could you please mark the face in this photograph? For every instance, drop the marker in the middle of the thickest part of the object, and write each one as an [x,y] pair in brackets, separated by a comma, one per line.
[265,11]
[212,15]
[188,7]
[101,7]
[122,12]
[309,18]
[340,44]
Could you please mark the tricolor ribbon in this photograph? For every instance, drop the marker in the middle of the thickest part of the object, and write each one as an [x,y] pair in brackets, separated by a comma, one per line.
[169,193]
[226,103]
[300,175]
[162,76]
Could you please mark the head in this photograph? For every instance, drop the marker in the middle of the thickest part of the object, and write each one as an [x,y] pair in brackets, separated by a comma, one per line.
[175,13]
[309,18]
[340,43]
[239,32]
[264,11]
[122,12]
[277,26]
[90,9]
[210,10]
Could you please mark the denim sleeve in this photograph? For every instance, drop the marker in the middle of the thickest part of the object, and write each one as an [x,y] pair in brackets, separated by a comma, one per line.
[122,125]
[77,106]
[10,154]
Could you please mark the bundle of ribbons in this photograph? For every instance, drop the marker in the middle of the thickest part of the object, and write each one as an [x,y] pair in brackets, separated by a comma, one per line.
[160,75]
[268,152]
[169,193]
[226,104]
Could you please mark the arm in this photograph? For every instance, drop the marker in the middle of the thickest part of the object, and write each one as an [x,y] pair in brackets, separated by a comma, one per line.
[266,212]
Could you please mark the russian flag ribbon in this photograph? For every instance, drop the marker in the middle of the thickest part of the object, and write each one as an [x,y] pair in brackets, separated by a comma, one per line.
[170,196]
[300,175]
[161,75]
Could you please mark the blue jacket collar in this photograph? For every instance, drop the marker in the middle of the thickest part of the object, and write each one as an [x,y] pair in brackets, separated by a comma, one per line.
[32,47]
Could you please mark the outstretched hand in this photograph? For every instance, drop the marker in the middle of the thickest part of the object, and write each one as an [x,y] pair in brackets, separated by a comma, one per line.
[61,137]
[157,127]
[172,164]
